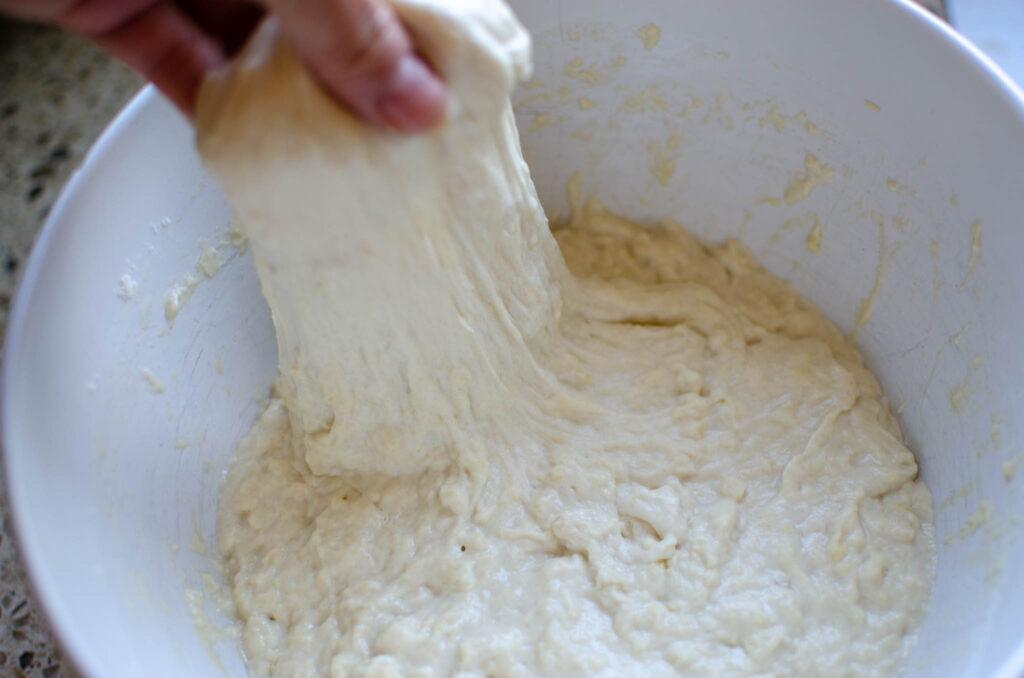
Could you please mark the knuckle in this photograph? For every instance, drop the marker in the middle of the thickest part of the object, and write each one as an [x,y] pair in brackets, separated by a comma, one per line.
[377,42]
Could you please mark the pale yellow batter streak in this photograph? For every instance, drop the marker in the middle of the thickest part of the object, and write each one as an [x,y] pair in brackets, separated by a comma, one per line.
[615,451]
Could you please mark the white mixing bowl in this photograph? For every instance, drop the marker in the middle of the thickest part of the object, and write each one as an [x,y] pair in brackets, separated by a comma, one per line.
[117,427]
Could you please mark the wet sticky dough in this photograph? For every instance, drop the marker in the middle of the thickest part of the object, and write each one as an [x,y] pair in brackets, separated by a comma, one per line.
[500,450]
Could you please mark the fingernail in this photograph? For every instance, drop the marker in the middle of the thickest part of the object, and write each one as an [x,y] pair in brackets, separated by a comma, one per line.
[413,100]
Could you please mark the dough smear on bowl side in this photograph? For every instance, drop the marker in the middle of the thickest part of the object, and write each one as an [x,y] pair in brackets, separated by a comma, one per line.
[503,450]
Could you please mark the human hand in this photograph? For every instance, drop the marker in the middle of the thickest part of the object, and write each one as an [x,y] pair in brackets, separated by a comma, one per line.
[358,49]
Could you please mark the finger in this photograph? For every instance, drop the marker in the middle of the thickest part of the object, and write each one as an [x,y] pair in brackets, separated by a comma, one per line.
[361,53]
[95,17]
[230,22]
[40,10]
[165,46]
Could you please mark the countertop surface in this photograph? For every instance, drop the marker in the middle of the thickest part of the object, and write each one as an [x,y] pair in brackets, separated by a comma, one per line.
[57,92]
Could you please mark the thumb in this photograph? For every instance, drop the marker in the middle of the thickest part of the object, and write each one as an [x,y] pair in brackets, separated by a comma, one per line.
[362,54]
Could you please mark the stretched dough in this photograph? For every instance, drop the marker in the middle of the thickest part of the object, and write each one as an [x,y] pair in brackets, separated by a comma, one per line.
[375,365]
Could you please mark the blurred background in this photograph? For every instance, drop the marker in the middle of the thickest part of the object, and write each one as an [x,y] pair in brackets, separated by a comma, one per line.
[57,92]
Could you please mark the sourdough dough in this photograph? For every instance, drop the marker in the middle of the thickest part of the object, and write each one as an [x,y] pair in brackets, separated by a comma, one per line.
[609,451]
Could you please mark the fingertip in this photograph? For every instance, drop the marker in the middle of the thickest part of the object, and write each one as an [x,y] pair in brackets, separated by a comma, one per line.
[413,99]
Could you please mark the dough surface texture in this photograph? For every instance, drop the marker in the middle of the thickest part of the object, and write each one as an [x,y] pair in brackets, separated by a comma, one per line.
[500,449]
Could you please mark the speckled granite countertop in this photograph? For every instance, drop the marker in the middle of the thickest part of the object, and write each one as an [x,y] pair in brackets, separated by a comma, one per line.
[57,92]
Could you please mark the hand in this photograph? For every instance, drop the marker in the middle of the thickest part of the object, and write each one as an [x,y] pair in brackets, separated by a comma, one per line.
[358,49]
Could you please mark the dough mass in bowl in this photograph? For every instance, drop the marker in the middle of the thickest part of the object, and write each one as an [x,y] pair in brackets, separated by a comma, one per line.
[505,450]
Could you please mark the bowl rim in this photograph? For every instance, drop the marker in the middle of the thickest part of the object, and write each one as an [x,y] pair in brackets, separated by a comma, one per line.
[42,584]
